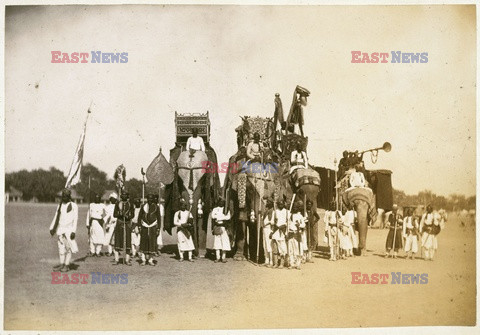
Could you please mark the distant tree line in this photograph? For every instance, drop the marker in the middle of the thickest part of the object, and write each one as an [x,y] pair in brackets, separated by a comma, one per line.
[453,202]
[45,184]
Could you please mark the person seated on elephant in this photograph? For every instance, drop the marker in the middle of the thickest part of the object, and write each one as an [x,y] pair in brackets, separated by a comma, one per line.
[195,142]
[343,165]
[268,222]
[182,220]
[255,149]
[357,178]
[221,241]
[410,233]
[331,218]
[298,159]
[296,225]
[394,237]
[278,235]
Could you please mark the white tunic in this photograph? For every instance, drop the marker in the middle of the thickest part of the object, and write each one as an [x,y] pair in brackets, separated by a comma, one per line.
[96,212]
[221,242]
[298,160]
[67,224]
[282,217]
[411,243]
[429,241]
[349,220]
[184,243]
[195,143]
[110,223]
[357,179]
[68,219]
[267,230]
[297,222]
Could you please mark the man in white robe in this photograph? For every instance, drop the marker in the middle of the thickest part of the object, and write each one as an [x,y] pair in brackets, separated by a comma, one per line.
[296,224]
[255,149]
[410,229]
[182,220]
[278,237]
[110,223]
[95,215]
[64,224]
[268,222]
[195,142]
[429,226]
[221,242]
[298,159]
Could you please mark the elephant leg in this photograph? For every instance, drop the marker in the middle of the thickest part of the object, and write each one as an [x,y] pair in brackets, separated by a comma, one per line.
[240,254]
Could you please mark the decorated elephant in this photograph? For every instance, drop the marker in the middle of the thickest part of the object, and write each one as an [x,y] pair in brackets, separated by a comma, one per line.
[193,184]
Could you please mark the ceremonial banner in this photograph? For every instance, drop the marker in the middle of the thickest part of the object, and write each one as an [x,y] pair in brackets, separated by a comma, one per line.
[76,167]
[159,171]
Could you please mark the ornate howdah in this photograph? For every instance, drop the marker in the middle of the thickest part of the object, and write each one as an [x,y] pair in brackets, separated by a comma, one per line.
[185,123]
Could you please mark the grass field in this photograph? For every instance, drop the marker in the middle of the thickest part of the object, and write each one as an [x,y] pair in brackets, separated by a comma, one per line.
[235,295]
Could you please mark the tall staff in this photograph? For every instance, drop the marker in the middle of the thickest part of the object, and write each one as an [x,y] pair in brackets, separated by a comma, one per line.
[337,247]
[143,186]
[120,176]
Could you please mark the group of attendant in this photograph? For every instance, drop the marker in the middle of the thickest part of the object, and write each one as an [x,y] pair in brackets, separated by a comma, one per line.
[406,231]
[340,232]
[125,226]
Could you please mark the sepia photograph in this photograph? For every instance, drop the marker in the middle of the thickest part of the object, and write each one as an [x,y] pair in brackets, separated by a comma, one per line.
[229,167]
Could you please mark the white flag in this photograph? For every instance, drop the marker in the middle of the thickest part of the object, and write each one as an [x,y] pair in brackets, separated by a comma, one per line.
[76,167]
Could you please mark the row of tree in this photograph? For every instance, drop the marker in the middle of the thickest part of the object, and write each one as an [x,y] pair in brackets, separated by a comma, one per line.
[44,185]
[453,202]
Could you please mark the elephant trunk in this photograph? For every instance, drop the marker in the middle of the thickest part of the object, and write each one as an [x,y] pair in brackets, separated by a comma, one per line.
[361,208]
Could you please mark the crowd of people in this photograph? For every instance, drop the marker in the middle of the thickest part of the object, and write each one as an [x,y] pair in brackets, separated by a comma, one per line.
[134,228]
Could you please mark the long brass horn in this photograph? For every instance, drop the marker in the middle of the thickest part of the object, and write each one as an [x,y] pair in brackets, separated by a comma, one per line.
[387,147]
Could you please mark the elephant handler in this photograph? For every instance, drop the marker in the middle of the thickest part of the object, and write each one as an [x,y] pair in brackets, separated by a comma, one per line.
[149,222]
[221,241]
[195,142]
[182,220]
[298,159]
[279,245]
[255,149]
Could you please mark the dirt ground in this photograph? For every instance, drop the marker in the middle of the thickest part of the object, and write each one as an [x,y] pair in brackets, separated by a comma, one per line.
[235,295]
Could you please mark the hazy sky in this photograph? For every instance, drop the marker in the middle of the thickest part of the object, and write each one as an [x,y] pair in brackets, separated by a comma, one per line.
[231,60]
